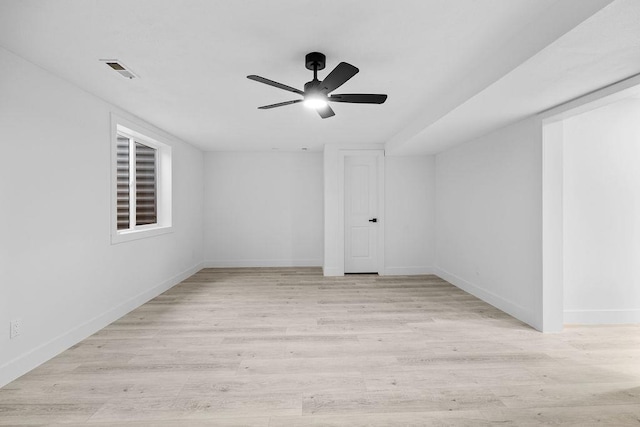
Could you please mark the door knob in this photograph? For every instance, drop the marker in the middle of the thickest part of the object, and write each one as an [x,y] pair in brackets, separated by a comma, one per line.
[373,220]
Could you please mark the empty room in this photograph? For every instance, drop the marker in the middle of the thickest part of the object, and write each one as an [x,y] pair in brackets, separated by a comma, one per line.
[303,213]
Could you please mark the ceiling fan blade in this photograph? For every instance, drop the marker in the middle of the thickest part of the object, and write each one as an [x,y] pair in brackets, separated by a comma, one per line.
[359,98]
[325,112]
[279,104]
[274,84]
[338,77]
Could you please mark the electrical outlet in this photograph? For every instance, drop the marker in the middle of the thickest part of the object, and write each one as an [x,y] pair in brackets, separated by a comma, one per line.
[15,328]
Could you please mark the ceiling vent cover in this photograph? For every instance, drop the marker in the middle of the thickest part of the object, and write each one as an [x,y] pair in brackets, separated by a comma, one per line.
[120,68]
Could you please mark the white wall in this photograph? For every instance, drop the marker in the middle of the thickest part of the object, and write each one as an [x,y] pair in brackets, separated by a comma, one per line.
[410,215]
[59,272]
[263,209]
[602,215]
[488,218]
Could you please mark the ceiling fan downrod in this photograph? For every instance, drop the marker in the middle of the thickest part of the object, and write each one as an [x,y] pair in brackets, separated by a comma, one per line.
[314,61]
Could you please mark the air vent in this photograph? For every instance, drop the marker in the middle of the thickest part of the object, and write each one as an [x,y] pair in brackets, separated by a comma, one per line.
[120,68]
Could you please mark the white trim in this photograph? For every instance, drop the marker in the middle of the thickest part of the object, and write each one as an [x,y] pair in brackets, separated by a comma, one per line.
[35,357]
[133,180]
[602,316]
[552,228]
[381,213]
[248,263]
[139,130]
[140,233]
[341,232]
[164,180]
[332,272]
[509,307]
[379,154]
[408,271]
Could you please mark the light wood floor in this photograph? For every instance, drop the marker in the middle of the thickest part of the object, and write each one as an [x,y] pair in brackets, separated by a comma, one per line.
[288,347]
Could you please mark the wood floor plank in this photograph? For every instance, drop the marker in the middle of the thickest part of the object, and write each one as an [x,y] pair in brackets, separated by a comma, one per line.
[577,416]
[398,401]
[470,418]
[289,347]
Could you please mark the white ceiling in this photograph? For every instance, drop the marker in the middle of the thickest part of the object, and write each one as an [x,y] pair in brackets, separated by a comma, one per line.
[603,50]
[452,69]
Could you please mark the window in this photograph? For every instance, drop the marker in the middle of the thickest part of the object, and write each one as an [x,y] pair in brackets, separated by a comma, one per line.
[141,186]
[136,169]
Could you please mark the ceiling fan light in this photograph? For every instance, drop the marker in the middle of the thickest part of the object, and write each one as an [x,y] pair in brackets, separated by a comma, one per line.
[315,102]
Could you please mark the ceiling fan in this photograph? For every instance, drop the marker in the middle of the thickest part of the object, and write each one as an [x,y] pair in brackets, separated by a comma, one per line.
[316,92]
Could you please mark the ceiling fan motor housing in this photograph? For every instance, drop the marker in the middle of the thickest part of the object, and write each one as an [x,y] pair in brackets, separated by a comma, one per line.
[315,59]
[311,86]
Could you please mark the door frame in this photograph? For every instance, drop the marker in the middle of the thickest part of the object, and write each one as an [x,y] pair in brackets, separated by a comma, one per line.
[379,155]
[551,121]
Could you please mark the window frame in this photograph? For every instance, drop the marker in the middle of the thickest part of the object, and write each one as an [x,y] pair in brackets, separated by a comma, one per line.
[129,129]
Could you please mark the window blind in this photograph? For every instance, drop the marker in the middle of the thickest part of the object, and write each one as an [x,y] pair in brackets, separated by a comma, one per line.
[136,169]
[146,203]
[122,182]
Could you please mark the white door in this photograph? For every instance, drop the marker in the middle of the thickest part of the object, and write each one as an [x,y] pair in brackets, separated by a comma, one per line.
[360,209]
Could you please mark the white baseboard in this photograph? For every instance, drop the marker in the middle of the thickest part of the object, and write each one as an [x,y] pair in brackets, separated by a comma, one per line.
[332,272]
[509,307]
[601,317]
[408,271]
[247,263]
[33,358]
